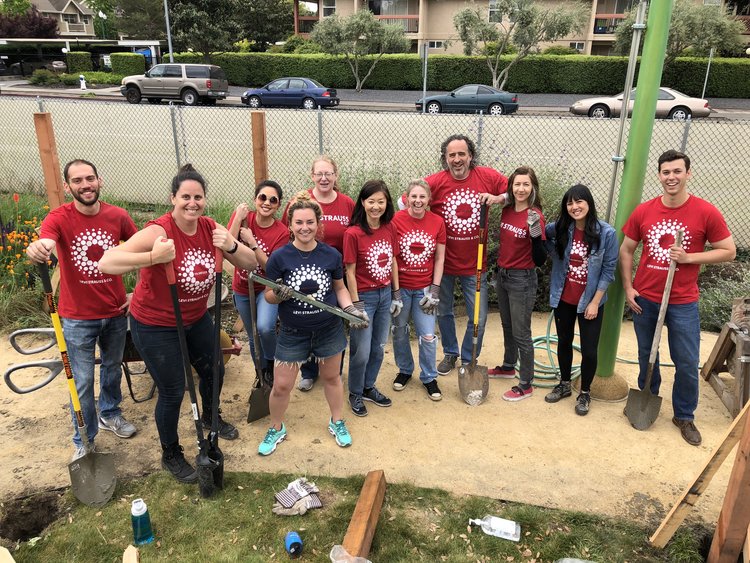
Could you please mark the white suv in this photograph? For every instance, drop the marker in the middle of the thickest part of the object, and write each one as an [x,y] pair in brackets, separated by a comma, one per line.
[191,83]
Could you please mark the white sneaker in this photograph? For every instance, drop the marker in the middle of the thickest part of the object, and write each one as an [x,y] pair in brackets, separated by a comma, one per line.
[305,384]
[82,451]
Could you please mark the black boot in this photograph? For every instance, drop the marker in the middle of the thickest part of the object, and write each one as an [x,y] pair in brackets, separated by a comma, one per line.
[174,461]
[227,431]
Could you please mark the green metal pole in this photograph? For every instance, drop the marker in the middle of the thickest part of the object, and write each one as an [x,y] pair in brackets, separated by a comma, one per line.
[634,172]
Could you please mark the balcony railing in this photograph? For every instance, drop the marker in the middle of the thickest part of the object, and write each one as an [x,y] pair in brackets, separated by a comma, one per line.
[607,23]
[76,27]
[410,23]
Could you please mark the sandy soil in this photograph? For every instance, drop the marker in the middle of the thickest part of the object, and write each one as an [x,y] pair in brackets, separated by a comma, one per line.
[530,452]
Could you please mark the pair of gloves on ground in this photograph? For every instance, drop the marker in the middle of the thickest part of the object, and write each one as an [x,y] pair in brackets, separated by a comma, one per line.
[299,496]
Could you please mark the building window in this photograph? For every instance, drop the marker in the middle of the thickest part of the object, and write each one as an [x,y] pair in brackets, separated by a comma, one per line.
[329,7]
[495,16]
[434,44]
[86,20]
[577,45]
[70,18]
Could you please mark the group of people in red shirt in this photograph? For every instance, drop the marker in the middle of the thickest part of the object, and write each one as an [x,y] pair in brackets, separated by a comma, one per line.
[384,266]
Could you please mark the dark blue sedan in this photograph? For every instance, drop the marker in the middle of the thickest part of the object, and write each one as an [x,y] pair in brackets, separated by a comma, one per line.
[291,92]
[471,98]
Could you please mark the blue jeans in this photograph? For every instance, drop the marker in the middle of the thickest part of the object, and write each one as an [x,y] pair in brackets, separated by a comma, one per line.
[159,347]
[367,344]
[683,324]
[266,317]
[424,325]
[81,337]
[516,293]
[447,321]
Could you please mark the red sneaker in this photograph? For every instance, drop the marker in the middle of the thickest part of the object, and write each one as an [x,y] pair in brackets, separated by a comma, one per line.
[501,372]
[517,393]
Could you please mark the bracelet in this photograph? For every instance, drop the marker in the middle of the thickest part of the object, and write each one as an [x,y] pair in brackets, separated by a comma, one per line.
[254,248]
[234,248]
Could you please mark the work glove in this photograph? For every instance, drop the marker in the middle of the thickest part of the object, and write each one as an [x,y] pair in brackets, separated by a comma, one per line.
[358,310]
[396,303]
[535,225]
[431,299]
[283,291]
[296,490]
[298,508]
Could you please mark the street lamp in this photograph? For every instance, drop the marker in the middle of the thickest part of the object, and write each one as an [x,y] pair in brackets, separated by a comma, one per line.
[169,32]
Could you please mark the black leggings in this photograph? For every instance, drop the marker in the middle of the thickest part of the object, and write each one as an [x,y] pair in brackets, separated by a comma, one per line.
[565,321]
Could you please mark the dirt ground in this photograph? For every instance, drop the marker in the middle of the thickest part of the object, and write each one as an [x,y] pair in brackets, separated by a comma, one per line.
[530,452]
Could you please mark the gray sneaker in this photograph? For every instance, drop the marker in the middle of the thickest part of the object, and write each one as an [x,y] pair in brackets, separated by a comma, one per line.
[582,404]
[305,384]
[559,391]
[117,424]
[447,364]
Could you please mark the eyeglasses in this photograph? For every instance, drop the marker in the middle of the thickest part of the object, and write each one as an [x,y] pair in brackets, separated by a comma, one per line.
[273,200]
[324,174]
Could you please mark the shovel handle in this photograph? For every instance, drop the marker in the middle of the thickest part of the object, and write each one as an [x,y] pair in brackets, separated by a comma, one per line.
[48,333]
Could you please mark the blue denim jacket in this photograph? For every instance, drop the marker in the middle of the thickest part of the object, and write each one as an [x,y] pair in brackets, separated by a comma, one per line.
[602,262]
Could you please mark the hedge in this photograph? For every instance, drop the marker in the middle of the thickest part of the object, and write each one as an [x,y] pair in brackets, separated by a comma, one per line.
[128,63]
[79,61]
[570,74]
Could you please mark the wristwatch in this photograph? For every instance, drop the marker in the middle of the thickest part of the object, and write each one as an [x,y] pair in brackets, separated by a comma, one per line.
[234,248]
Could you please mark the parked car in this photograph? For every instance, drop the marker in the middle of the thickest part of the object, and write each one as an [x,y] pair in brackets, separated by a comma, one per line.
[191,83]
[291,92]
[27,67]
[671,104]
[471,98]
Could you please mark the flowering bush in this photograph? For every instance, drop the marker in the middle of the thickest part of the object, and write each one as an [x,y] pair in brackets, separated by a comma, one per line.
[15,235]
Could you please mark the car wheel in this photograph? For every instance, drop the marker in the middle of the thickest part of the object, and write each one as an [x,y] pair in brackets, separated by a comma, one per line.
[599,111]
[680,113]
[433,107]
[133,95]
[189,97]
[308,103]
[254,102]
[154,100]
[496,109]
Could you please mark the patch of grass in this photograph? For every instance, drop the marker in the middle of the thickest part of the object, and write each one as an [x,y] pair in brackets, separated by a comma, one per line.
[415,524]
[719,285]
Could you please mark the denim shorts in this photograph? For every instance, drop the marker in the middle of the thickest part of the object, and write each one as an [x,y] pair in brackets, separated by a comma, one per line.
[296,346]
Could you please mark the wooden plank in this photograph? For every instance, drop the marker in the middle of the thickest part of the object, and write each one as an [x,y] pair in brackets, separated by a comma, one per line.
[746,549]
[358,538]
[5,556]
[734,518]
[718,356]
[45,138]
[692,492]
[260,148]
[131,555]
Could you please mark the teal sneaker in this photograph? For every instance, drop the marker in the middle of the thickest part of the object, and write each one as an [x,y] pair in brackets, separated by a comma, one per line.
[273,438]
[338,430]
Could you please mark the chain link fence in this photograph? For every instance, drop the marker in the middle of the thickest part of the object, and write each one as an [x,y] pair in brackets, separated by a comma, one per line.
[138,149]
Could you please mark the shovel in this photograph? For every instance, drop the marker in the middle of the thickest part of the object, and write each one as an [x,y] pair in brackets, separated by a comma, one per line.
[214,453]
[261,390]
[473,381]
[643,406]
[92,477]
[204,464]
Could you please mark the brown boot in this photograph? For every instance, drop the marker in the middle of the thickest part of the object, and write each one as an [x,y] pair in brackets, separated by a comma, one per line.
[689,431]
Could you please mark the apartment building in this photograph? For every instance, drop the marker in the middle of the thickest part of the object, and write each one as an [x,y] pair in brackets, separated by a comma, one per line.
[74,19]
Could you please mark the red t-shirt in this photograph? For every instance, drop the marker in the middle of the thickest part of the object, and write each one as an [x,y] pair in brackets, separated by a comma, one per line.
[514,252]
[194,265]
[656,225]
[335,220]
[269,239]
[417,243]
[373,254]
[457,202]
[578,270]
[85,292]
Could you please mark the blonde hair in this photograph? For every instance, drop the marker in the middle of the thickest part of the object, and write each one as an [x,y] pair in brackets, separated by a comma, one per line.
[303,200]
[419,184]
[329,160]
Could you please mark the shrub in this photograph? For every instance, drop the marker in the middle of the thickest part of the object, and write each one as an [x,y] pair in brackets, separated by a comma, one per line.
[79,61]
[720,284]
[560,50]
[127,64]
[308,48]
[70,79]
[44,77]
[292,43]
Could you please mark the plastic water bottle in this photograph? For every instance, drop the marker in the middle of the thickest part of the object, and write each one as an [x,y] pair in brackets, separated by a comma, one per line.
[293,544]
[142,532]
[499,527]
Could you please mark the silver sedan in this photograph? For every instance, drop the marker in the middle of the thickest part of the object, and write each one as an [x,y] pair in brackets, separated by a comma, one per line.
[671,104]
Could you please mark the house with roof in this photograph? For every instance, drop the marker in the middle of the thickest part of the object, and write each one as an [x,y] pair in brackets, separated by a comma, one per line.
[74,19]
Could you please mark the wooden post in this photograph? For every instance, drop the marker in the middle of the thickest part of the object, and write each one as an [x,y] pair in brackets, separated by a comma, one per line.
[131,555]
[260,150]
[45,137]
[361,529]
[731,529]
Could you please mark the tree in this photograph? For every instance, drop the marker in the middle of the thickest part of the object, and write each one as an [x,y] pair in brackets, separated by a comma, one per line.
[28,24]
[522,23]
[14,7]
[265,21]
[693,26]
[206,26]
[357,36]
[141,19]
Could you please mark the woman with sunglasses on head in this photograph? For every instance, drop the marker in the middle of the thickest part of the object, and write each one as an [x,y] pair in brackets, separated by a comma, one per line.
[584,255]
[337,211]
[262,233]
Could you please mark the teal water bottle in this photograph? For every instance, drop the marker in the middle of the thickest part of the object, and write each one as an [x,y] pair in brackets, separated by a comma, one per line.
[293,544]
[142,532]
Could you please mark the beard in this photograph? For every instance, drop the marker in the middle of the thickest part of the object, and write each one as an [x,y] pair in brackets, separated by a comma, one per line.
[82,201]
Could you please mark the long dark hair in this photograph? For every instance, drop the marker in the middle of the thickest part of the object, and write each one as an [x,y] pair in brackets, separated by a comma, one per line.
[591,234]
[370,188]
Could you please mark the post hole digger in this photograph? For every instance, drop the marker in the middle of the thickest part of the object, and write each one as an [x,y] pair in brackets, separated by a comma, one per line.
[214,453]
[92,477]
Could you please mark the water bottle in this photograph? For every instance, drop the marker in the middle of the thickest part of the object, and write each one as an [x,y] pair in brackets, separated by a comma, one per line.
[293,544]
[142,532]
[499,527]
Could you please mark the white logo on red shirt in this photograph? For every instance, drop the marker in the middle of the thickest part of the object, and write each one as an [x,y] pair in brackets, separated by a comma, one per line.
[461,210]
[87,248]
[661,237]
[379,260]
[194,272]
[307,278]
[417,247]
[579,249]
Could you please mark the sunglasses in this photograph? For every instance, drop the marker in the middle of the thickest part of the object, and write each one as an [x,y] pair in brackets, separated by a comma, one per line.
[273,200]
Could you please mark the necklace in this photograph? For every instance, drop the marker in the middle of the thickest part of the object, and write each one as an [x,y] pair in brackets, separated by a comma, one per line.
[305,254]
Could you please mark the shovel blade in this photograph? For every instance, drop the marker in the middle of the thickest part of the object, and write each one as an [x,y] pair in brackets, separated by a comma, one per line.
[643,408]
[259,403]
[473,384]
[92,478]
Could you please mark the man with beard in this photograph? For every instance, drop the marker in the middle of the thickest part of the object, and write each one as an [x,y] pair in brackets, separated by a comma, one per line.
[92,305]
[457,194]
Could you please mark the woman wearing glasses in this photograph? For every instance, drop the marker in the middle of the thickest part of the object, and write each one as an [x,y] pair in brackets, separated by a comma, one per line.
[262,233]
[337,211]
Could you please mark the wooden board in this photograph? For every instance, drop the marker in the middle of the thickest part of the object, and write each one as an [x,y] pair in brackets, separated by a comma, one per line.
[131,555]
[5,556]
[730,354]
[362,526]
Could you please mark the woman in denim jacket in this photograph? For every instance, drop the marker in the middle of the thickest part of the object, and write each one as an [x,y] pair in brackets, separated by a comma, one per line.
[584,255]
